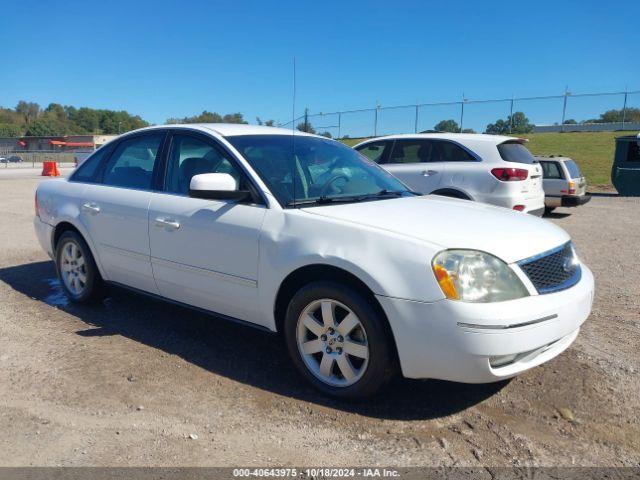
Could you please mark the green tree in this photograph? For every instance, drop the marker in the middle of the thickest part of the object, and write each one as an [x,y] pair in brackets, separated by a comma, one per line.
[266,123]
[9,130]
[306,127]
[46,125]
[518,124]
[447,126]
[28,110]
[210,117]
[326,134]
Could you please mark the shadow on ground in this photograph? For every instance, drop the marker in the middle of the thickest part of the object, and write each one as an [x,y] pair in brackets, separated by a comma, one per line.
[238,352]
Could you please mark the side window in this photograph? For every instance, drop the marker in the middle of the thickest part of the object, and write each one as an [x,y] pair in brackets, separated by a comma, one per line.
[551,170]
[450,152]
[373,151]
[412,151]
[131,164]
[87,171]
[633,155]
[191,156]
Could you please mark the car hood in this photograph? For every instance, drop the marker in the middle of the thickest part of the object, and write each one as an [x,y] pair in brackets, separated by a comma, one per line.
[452,223]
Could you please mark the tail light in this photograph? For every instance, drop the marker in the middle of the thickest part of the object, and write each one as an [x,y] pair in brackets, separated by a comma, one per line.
[36,206]
[519,208]
[572,189]
[510,174]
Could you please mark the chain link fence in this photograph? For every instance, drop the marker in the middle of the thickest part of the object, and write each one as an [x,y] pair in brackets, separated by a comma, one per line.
[12,158]
[565,112]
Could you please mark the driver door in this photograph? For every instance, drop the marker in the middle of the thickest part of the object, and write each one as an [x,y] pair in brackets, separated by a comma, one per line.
[205,252]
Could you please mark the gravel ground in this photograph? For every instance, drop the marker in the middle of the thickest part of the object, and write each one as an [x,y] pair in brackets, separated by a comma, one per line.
[139,382]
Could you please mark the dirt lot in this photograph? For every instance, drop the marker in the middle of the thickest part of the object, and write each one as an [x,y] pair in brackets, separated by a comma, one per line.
[139,382]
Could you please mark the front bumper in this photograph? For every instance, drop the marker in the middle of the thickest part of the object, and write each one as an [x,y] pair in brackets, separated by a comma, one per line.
[453,340]
[567,200]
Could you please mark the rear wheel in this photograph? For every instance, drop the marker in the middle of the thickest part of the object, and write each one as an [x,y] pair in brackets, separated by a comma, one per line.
[77,269]
[548,210]
[338,341]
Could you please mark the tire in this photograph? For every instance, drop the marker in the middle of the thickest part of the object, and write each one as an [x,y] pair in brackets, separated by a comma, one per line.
[358,356]
[548,210]
[76,269]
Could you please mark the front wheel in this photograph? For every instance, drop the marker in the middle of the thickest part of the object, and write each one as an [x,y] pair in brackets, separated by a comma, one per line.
[338,341]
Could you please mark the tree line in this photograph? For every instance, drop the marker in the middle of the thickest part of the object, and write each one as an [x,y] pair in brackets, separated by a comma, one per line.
[30,119]
[519,123]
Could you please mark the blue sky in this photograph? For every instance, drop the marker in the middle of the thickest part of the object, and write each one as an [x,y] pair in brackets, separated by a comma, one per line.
[163,59]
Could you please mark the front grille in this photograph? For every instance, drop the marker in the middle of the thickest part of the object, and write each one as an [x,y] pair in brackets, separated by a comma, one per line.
[554,270]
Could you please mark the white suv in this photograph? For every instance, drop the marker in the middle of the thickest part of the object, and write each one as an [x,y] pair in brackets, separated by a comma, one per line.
[301,235]
[486,168]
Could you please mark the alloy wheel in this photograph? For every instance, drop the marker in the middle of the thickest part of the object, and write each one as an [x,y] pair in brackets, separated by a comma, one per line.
[73,268]
[332,342]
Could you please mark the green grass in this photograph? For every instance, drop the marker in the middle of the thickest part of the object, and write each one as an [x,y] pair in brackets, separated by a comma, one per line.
[593,151]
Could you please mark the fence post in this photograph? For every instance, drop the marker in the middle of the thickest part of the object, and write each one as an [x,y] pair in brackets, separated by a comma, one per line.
[415,125]
[511,117]
[375,120]
[564,108]
[624,109]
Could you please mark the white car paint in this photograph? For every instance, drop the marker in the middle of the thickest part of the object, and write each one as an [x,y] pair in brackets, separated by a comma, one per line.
[232,258]
[473,178]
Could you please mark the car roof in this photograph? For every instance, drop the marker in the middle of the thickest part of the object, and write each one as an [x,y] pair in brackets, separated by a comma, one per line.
[552,158]
[456,137]
[233,129]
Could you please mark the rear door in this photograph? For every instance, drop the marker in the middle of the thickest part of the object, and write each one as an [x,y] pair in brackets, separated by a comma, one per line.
[115,209]
[553,178]
[419,163]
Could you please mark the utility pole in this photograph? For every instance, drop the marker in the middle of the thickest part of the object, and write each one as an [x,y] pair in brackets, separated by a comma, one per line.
[462,111]
[624,107]
[511,116]
[564,107]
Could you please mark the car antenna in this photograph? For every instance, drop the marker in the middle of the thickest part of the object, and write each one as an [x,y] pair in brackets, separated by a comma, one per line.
[293,134]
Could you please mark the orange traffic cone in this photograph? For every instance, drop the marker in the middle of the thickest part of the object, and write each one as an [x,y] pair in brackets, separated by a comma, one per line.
[50,169]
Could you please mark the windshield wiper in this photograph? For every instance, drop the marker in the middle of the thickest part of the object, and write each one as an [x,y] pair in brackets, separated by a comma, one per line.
[324,200]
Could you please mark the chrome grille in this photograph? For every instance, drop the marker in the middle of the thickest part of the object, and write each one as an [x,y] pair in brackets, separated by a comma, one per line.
[554,270]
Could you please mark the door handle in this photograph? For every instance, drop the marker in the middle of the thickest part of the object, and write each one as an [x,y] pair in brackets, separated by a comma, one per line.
[428,173]
[167,223]
[92,208]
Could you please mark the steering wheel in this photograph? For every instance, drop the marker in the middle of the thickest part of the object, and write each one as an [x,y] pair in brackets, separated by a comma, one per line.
[329,182]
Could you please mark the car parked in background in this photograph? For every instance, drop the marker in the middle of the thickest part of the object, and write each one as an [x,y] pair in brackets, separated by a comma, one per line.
[299,234]
[11,159]
[492,169]
[563,182]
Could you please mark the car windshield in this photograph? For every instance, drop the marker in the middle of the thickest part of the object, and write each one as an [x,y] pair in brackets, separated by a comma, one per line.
[515,152]
[574,170]
[321,171]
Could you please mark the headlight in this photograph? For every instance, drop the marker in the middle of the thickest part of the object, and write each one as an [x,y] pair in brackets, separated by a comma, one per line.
[473,276]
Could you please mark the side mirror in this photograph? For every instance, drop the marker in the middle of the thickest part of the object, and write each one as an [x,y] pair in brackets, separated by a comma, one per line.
[216,186]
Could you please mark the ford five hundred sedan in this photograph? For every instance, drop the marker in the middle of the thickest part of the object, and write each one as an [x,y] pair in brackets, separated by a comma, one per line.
[301,235]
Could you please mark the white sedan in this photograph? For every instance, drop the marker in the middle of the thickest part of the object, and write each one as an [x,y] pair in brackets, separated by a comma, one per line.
[301,235]
[491,169]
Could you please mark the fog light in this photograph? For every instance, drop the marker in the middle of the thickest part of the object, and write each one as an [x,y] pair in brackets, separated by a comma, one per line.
[502,360]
